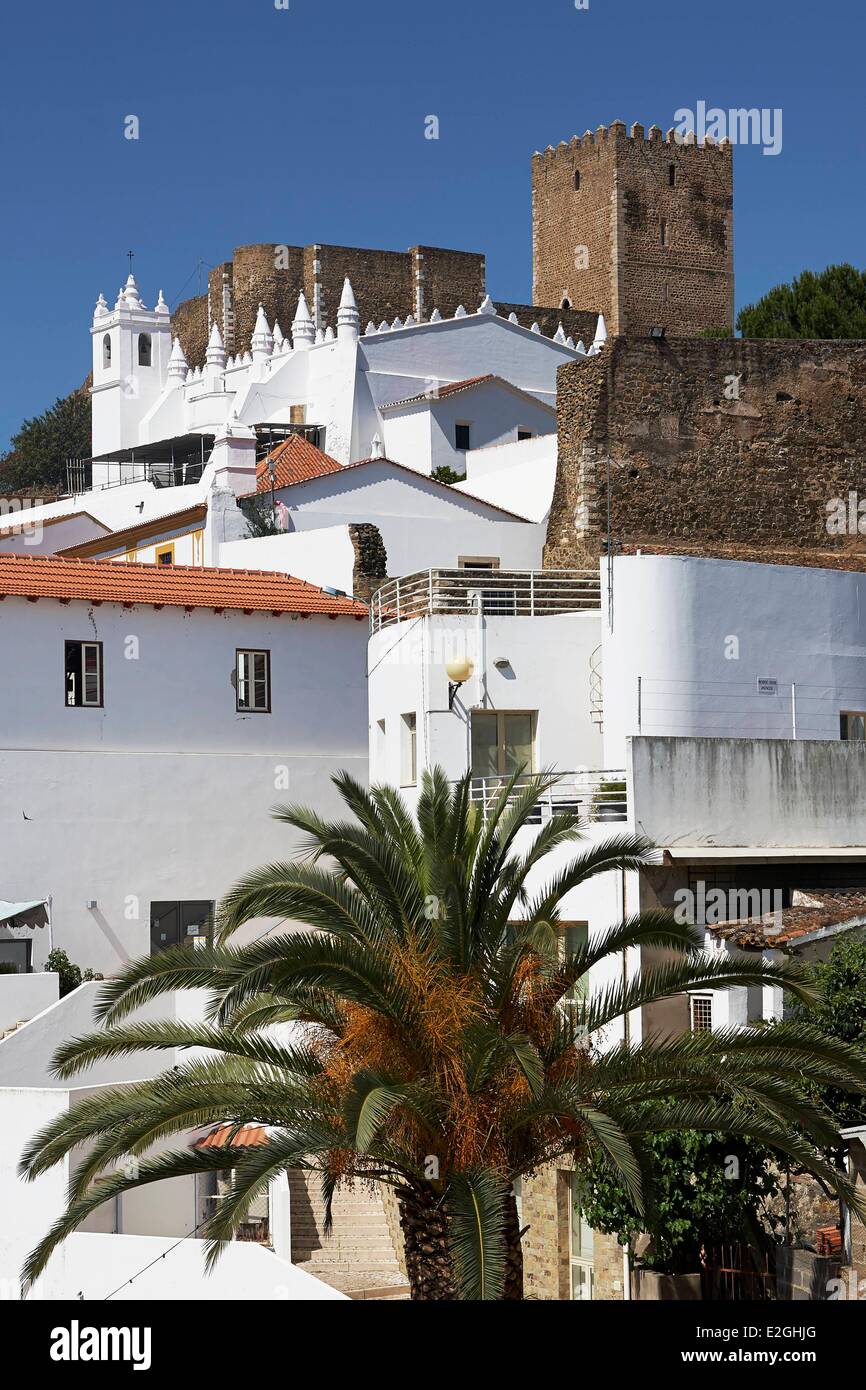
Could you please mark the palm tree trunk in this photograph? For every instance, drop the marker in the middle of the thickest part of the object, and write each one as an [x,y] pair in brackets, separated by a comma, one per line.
[425,1240]
[428,1259]
[513,1251]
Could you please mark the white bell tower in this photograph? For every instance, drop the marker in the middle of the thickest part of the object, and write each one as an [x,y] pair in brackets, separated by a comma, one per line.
[131,351]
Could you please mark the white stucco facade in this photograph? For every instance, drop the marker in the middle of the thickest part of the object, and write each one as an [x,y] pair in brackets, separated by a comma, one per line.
[164,793]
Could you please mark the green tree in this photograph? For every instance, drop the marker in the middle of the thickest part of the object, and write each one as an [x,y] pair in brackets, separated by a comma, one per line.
[841,1013]
[71,975]
[446,474]
[831,304]
[42,445]
[700,1189]
[440,1045]
[259,515]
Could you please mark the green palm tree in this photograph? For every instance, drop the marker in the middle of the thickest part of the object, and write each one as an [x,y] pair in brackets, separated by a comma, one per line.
[439,1044]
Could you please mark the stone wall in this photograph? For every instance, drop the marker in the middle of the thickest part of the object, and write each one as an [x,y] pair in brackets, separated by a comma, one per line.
[546,1198]
[387,285]
[639,229]
[733,442]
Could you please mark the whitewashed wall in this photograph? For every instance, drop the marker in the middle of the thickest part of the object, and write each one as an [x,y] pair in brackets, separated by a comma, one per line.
[675,621]
[325,556]
[165,794]
[423,524]
[548,671]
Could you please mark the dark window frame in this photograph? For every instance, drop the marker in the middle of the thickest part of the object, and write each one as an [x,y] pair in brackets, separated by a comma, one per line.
[467,426]
[145,350]
[252,651]
[84,642]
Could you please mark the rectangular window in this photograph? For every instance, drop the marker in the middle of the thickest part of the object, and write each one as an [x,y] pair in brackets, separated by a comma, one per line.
[573,936]
[502,741]
[409,750]
[581,1243]
[701,1006]
[17,954]
[297,414]
[254,682]
[663,232]
[165,554]
[83,674]
[852,725]
[524,434]
[463,437]
[173,923]
[478,562]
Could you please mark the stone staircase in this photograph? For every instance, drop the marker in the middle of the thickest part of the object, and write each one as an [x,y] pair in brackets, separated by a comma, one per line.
[358,1256]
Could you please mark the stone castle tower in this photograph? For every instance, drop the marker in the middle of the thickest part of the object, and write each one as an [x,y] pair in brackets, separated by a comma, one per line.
[639,228]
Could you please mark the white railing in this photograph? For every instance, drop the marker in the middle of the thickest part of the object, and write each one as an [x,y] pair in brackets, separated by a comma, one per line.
[595,796]
[502,593]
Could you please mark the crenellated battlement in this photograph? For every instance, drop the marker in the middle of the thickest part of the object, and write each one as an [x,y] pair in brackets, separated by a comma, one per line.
[617,131]
[637,223]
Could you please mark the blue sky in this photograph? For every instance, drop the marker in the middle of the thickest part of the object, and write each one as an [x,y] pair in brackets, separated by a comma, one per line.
[307,124]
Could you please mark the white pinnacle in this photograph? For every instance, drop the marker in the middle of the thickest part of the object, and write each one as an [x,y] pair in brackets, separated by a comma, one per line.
[178,367]
[216,353]
[600,331]
[160,307]
[348,318]
[487,306]
[303,329]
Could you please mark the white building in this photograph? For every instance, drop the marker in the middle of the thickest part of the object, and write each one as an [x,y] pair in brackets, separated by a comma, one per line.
[431,390]
[716,707]
[159,713]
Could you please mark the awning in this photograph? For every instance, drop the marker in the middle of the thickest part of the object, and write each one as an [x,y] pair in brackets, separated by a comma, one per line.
[33,914]
[757,854]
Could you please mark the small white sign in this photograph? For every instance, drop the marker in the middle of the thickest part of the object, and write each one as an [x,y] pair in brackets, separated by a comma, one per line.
[768,685]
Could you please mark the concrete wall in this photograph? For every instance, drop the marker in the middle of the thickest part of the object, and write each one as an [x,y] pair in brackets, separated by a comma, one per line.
[749,792]
[701,633]
[25,996]
[324,556]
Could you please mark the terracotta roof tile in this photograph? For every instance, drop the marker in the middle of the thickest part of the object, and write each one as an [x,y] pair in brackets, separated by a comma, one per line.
[245,1137]
[296,460]
[820,911]
[179,586]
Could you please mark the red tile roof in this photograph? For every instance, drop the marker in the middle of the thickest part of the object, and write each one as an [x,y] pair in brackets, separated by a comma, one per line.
[178,586]
[820,911]
[296,460]
[230,1136]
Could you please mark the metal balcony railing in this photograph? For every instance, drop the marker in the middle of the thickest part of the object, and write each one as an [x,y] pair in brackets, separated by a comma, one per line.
[503,593]
[595,796]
